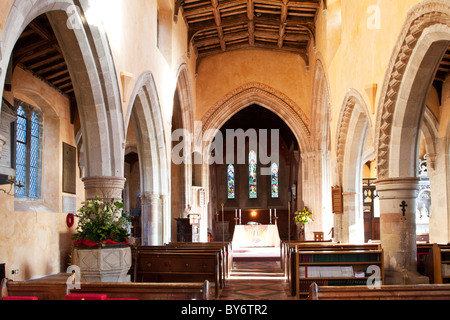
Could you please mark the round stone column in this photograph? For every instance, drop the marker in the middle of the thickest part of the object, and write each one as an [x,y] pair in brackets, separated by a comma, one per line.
[398,229]
[151,219]
[105,188]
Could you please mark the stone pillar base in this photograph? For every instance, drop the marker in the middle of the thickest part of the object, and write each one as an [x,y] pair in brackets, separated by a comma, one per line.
[406,277]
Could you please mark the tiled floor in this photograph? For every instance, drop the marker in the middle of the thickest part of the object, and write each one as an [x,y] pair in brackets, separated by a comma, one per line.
[256,280]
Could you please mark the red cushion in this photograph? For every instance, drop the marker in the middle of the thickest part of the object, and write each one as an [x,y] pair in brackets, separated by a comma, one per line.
[121,299]
[81,296]
[19,298]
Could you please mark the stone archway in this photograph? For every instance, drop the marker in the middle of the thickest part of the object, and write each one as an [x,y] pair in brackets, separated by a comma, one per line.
[91,67]
[354,119]
[266,97]
[419,50]
[182,165]
[145,113]
[319,158]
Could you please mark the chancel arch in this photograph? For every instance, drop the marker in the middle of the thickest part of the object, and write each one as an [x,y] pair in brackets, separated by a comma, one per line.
[423,41]
[273,101]
[145,119]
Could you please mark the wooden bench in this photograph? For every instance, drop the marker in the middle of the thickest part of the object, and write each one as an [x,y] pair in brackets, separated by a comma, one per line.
[57,290]
[292,268]
[223,273]
[225,246]
[177,266]
[148,291]
[386,292]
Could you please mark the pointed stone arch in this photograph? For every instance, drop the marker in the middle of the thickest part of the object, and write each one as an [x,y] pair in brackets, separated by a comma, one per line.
[317,168]
[265,96]
[241,98]
[421,44]
[353,130]
[145,113]
[90,63]
[400,117]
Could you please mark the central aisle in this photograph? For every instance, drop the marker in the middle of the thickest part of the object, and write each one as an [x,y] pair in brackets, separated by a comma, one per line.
[256,275]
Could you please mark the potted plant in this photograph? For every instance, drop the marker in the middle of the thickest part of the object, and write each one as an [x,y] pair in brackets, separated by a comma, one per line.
[301,218]
[101,242]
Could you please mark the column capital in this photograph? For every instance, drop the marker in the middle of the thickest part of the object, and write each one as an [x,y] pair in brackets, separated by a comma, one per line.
[104,187]
[149,196]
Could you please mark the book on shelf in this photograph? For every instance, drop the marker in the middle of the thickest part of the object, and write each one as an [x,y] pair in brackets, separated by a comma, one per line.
[445,270]
[326,272]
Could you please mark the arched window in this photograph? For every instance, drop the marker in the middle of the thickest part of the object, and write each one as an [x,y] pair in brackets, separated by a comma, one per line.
[231,182]
[28,151]
[252,182]
[274,180]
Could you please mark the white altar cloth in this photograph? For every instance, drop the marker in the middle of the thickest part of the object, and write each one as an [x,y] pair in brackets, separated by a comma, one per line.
[249,236]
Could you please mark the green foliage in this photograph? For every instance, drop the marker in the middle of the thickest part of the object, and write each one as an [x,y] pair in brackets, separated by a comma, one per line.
[102,222]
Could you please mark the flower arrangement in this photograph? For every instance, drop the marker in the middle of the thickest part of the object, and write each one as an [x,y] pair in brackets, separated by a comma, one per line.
[303,217]
[101,223]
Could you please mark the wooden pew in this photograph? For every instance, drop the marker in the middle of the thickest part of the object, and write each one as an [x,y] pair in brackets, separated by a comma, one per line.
[386,292]
[148,291]
[177,266]
[223,274]
[41,290]
[57,290]
[226,246]
[436,262]
[337,247]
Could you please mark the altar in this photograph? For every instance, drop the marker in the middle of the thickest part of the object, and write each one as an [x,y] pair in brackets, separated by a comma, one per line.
[248,236]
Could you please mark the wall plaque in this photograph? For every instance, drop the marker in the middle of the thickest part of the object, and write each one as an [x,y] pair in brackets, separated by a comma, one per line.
[336,198]
[69,169]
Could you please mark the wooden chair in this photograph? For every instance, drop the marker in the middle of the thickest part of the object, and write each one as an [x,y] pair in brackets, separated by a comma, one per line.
[318,236]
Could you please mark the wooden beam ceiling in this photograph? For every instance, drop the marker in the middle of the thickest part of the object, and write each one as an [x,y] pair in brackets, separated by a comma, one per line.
[216,26]
[38,51]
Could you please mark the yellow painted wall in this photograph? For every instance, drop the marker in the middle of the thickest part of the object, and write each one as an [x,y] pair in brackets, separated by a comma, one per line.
[220,74]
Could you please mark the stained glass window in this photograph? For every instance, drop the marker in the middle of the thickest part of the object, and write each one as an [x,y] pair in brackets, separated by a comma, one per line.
[28,151]
[231,182]
[252,182]
[274,180]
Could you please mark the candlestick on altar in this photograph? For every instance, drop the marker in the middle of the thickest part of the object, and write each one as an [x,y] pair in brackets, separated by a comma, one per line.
[236,221]
[276,219]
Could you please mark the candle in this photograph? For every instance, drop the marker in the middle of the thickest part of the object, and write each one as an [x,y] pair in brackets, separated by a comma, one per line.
[240,216]
[235,213]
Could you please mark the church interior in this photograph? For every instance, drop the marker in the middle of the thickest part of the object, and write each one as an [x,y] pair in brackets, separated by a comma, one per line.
[262,149]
